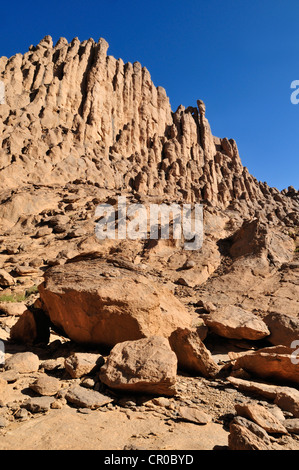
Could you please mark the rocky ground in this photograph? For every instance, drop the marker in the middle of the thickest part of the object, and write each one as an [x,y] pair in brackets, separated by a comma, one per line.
[218,402]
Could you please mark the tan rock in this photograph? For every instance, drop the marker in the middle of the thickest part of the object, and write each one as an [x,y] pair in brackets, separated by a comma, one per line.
[191,352]
[6,279]
[23,362]
[85,398]
[262,417]
[12,308]
[46,385]
[79,364]
[193,415]
[146,365]
[241,438]
[286,398]
[270,364]
[284,329]
[98,303]
[235,322]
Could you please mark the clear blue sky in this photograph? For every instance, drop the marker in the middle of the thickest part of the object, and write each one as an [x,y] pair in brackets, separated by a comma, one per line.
[238,56]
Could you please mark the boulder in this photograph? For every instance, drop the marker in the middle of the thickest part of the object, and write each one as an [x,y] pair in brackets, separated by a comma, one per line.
[6,280]
[273,363]
[96,302]
[32,327]
[292,425]
[24,362]
[262,417]
[284,329]
[85,398]
[79,364]
[236,323]
[287,398]
[241,438]
[46,385]
[147,365]
[191,352]
[12,308]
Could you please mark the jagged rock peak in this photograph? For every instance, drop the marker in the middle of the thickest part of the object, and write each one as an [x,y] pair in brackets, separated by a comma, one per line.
[72,112]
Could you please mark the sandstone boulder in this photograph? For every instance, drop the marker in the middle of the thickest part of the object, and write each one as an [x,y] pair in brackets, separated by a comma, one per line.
[273,363]
[147,365]
[46,385]
[79,364]
[95,302]
[262,417]
[6,280]
[12,308]
[284,329]
[32,327]
[236,323]
[287,398]
[241,438]
[191,352]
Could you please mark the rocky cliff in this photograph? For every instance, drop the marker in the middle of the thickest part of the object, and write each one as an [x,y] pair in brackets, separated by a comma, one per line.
[74,114]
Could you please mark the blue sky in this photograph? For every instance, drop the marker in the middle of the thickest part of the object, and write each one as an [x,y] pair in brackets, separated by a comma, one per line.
[238,56]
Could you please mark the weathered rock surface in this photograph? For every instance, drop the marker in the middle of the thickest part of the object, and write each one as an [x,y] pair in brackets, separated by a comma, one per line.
[262,417]
[23,362]
[79,364]
[274,363]
[235,322]
[98,303]
[191,352]
[284,329]
[147,365]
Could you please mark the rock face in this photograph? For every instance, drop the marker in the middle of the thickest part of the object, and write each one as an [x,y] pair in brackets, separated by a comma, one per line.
[147,365]
[73,112]
[98,303]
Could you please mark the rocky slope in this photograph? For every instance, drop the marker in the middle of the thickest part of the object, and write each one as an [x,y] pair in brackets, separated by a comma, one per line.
[200,339]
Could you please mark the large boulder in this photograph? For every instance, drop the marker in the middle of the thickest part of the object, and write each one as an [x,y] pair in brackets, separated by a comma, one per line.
[236,323]
[147,365]
[191,352]
[284,329]
[275,363]
[96,302]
